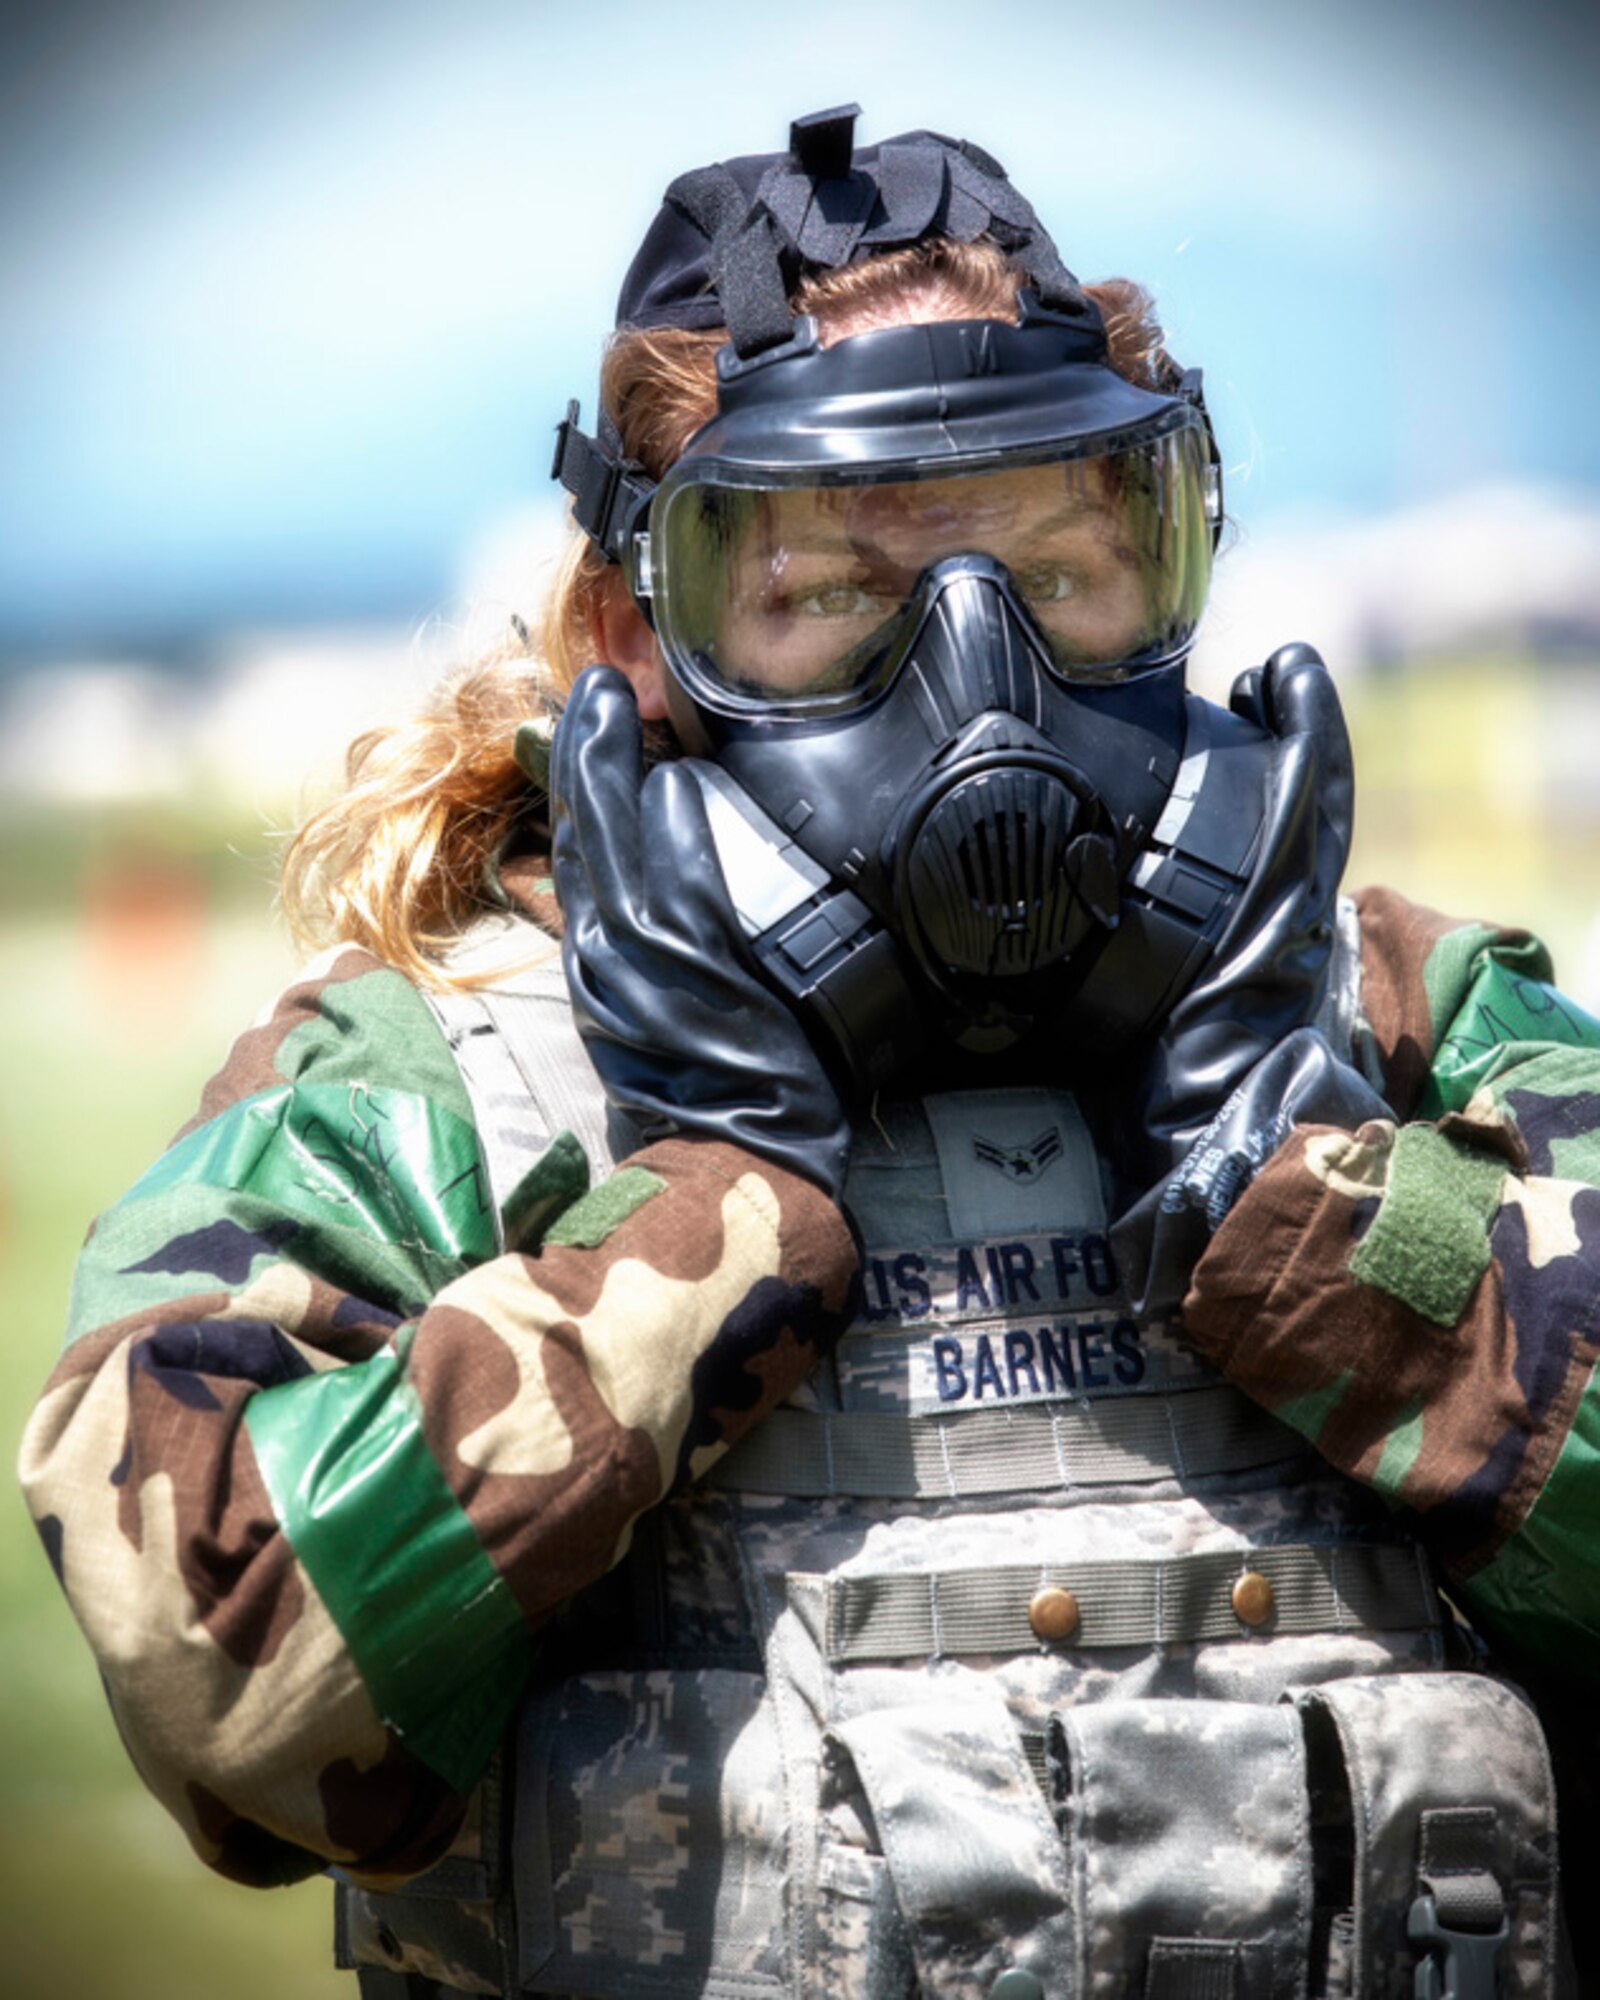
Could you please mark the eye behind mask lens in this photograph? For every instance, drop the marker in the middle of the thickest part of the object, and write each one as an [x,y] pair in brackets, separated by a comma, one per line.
[792,595]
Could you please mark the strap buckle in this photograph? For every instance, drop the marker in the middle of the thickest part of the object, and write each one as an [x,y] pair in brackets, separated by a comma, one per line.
[607,492]
[1460,1965]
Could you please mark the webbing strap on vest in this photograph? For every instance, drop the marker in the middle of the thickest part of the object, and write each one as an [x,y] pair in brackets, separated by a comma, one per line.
[1192,1969]
[536,1025]
[520,1057]
[885,1455]
[1332,1587]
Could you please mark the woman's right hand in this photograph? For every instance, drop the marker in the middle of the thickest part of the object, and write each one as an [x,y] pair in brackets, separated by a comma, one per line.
[683,1032]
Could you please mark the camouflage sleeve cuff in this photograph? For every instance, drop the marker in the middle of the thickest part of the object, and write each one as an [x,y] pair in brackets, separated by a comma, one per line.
[1444,997]
[453,1491]
[663,1315]
[309,1520]
[312,1580]
[1429,1319]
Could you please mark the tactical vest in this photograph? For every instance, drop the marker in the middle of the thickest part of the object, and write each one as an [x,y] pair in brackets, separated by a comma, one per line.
[1016,1655]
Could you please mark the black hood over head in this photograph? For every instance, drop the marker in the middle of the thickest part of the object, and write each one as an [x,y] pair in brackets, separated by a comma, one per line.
[732,241]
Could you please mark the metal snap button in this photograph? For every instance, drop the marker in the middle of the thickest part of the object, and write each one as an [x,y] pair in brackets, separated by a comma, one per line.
[1053,1614]
[1015,1984]
[1252,1598]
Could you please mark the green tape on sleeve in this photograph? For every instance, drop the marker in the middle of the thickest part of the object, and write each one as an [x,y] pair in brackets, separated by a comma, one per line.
[1541,1592]
[588,1223]
[1508,1013]
[1448,972]
[393,1164]
[1429,1243]
[431,1625]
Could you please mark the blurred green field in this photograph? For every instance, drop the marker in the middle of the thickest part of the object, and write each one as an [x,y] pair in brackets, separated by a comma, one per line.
[132,948]
[100,1896]
[1477,791]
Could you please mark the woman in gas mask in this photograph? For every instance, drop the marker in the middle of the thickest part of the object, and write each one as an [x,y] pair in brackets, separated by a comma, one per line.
[489,1461]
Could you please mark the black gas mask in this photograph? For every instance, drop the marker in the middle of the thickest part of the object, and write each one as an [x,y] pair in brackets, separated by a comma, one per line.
[924,597]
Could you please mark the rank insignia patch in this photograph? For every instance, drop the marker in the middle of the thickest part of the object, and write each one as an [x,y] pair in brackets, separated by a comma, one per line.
[1021,1163]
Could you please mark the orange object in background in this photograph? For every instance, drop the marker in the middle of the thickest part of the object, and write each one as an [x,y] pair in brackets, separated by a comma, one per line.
[145,938]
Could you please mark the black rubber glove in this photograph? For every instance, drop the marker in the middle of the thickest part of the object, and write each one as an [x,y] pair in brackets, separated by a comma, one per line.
[683,1032]
[1300,1082]
[1270,970]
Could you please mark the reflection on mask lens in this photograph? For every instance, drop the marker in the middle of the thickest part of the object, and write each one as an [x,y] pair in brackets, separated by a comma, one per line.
[791,594]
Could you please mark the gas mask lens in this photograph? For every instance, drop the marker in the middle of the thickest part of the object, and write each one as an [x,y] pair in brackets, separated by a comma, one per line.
[801,592]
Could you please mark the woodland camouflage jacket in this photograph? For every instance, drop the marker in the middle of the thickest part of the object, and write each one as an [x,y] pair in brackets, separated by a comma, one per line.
[320,1460]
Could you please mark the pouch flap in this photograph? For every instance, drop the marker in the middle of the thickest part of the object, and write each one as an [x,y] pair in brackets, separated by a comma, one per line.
[1189,1832]
[977,1865]
[1430,1758]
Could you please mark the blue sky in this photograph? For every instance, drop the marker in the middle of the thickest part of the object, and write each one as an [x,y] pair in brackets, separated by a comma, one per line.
[291,294]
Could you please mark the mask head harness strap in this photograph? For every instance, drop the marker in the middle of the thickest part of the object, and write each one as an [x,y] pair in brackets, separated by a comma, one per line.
[819,207]
[732,241]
